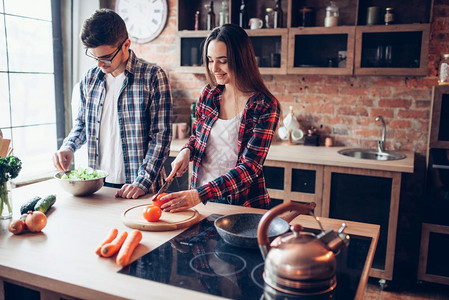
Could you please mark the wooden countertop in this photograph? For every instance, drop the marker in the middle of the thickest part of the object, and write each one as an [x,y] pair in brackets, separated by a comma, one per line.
[327,156]
[62,258]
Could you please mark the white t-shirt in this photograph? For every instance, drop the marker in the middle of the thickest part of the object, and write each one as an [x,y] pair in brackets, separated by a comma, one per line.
[111,153]
[221,150]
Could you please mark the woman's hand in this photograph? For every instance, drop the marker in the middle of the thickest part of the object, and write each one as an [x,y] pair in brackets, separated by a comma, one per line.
[180,201]
[181,164]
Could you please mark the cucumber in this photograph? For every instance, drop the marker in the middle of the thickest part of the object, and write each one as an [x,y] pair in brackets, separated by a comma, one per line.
[29,205]
[44,204]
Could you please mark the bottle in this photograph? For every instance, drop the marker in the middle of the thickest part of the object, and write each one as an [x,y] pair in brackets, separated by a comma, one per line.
[443,77]
[277,15]
[210,20]
[389,15]
[332,14]
[197,20]
[269,18]
[224,13]
[243,15]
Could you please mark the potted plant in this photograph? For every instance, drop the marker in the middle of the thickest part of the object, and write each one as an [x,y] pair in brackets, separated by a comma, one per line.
[10,167]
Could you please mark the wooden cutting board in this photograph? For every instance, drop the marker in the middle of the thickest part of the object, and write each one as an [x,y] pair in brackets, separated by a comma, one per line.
[133,217]
[4,147]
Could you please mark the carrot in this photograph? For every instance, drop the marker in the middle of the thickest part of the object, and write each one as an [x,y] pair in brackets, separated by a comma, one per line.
[111,236]
[111,248]
[124,255]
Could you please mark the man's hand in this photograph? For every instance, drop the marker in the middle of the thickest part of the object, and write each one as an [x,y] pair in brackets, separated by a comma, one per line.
[180,201]
[129,191]
[62,159]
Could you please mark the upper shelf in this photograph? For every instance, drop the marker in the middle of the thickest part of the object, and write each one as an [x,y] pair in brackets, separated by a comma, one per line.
[351,48]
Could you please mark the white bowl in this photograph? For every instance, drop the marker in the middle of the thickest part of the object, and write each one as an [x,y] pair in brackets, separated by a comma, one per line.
[80,187]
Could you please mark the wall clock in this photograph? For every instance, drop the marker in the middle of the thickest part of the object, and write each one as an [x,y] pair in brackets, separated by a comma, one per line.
[144,19]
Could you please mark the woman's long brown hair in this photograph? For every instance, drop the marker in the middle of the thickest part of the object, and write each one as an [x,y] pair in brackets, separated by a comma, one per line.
[241,59]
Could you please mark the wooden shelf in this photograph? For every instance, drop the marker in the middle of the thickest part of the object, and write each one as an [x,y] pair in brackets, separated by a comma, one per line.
[409,35]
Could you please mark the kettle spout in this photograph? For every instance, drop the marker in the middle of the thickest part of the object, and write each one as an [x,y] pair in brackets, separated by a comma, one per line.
[334,241]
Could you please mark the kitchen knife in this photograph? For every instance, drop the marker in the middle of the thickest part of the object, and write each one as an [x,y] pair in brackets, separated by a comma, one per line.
[164,187]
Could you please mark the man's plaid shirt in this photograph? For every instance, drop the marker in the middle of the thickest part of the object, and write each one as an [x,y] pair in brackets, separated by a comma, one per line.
[144,115]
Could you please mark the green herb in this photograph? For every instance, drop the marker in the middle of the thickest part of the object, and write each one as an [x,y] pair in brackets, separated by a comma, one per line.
[10,167]
[84,174]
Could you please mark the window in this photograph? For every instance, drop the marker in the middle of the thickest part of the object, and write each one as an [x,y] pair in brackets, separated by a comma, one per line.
[27,84]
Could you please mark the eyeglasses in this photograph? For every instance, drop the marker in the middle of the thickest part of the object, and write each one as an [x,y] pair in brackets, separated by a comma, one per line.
[103,59]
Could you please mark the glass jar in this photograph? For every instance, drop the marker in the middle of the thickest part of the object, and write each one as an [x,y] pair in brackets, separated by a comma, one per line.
[224,13]
[443,77]
[332,14]
[389,16]
[5,200]
[269,18]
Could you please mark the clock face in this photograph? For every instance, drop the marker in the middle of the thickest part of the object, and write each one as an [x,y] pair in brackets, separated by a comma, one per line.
[145,19]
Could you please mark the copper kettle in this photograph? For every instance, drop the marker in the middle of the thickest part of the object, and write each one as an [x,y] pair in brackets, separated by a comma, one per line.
[298,262]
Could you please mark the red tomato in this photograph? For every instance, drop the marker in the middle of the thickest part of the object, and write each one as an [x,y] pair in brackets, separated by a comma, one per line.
[158,202]
[152,213]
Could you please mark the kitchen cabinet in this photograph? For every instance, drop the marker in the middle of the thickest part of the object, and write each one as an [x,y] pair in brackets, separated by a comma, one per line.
[318,51]
[351,48]
[369,196]
[294,182]
[439,123]
[433,260]
[392,50]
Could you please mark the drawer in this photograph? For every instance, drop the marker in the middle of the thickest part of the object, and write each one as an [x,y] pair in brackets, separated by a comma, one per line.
[303,181]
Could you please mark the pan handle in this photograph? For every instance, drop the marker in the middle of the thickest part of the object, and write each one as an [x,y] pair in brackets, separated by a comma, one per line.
[264,224]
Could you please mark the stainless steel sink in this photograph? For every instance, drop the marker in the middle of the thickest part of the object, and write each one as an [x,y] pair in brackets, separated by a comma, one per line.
[372,154]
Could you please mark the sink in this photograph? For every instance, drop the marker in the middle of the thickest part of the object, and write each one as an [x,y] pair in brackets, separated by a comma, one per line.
[371,154]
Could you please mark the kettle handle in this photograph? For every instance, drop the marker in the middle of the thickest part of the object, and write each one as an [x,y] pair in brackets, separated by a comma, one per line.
[264,224]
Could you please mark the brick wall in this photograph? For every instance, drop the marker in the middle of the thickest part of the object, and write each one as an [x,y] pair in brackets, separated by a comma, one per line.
[343,107]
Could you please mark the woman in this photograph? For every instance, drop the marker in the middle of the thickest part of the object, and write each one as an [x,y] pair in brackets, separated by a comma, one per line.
[236,118]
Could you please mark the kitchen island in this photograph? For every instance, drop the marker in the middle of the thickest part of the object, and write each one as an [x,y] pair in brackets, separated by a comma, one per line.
[61,261]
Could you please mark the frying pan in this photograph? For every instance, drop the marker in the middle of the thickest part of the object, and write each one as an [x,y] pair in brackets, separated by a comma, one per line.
[241,229]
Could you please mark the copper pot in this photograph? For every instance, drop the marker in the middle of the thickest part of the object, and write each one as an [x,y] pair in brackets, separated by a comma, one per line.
[300,263]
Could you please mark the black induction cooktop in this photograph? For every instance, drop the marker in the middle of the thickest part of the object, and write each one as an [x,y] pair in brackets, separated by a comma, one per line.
[198,259]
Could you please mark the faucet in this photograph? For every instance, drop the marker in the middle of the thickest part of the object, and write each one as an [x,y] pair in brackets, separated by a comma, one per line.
[381,143]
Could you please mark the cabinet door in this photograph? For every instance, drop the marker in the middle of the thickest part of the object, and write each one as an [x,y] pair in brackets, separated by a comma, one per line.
[190,51]
[366,196]
[295,182]
[321,50]
[270,48]
[439,122]
[433,258]
[392,50]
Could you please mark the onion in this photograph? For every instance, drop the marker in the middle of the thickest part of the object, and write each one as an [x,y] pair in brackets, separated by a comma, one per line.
[17,226]
[36,221]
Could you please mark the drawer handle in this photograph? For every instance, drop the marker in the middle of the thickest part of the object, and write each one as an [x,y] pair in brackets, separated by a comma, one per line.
[435,166]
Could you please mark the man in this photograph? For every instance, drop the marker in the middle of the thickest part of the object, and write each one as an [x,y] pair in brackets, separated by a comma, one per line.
[125,111]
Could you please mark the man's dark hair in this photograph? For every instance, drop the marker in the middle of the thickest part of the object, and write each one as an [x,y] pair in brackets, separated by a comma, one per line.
[104,27]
